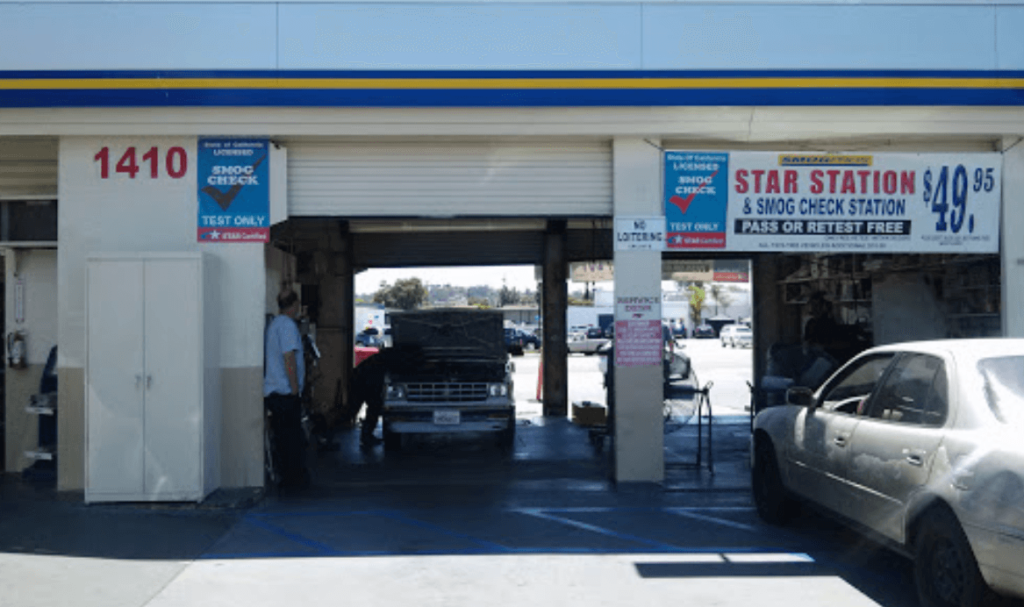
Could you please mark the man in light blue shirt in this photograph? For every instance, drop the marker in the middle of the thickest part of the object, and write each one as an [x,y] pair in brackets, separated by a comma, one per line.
[282,386]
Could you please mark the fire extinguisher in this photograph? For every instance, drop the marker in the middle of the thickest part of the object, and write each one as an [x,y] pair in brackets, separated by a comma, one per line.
[16,358]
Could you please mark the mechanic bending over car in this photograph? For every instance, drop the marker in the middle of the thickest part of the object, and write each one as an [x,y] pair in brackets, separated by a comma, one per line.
[368,387]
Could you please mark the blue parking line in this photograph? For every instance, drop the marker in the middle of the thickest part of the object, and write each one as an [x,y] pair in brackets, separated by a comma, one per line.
[299,539]
[482,547]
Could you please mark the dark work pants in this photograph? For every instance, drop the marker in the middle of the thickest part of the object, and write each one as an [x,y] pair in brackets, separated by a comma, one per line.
[290,442]
[374,404]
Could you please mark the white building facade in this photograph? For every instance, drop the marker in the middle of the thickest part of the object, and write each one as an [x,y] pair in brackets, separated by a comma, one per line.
[427,121]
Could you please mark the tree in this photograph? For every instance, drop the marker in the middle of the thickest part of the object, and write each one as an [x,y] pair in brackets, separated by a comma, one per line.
[507,296]
[697,297]
[721,296]
[406,294]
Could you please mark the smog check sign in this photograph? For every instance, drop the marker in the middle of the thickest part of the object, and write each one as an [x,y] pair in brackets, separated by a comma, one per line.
[234,190]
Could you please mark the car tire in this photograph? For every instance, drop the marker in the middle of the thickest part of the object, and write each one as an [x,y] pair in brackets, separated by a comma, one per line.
[774,503]
[945,571]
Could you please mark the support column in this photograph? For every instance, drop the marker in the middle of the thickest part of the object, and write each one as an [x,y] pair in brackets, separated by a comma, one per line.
[1012,249]
[639,452]
[555,302]
[774,321]
[334,331]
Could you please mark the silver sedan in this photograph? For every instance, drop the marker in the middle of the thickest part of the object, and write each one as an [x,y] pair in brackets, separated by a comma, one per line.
[920,444]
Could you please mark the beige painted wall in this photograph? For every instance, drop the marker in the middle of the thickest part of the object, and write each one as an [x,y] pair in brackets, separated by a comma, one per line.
[119,214]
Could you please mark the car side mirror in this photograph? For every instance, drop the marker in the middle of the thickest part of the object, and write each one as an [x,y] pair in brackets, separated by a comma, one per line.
[800,396]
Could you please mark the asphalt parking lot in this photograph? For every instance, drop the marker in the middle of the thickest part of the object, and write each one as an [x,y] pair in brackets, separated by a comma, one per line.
[728,369]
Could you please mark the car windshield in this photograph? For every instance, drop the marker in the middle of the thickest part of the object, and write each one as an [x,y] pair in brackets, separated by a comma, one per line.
[1004,387]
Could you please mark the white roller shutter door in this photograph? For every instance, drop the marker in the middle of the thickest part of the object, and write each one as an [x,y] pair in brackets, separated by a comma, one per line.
[28,168]
[423,178]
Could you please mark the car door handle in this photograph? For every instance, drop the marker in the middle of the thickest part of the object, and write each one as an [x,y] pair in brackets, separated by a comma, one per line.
[840,440]
[915,457]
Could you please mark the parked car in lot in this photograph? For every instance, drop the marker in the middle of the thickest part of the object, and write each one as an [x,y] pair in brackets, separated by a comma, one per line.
[736,336]
[530,340]
[586,342]
[704,331]
[920,444]
[368,339]
[513,341]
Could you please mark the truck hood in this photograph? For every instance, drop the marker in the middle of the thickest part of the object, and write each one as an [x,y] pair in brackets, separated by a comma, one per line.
[450,333]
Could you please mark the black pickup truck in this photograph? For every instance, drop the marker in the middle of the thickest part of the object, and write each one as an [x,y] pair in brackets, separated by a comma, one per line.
[459,378]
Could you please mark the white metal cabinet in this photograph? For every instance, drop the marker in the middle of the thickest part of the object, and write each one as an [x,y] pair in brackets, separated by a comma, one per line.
[152,379]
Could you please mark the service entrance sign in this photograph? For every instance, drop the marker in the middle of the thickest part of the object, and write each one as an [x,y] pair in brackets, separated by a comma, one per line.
[637,331]
[858,203]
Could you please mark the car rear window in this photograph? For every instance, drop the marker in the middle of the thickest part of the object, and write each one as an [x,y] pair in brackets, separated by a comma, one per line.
[1004,387]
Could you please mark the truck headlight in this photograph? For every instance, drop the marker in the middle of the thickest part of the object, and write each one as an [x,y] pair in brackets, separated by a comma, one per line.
[497,390]
[396,392]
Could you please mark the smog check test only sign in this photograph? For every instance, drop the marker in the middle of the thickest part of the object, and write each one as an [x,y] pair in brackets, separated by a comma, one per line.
[234,190]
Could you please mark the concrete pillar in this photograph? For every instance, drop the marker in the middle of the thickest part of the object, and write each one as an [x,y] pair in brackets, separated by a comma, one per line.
[335,336]
[775,322]
[1013,238]
[639,454]
[555,301]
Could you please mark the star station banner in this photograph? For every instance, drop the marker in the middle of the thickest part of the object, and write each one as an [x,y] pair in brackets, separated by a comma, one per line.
[858,203]
[234,190]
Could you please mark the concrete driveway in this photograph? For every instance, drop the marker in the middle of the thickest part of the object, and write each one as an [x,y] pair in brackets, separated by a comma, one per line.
[448,524]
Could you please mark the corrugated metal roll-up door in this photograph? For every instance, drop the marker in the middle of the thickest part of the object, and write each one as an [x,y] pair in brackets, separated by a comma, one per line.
[424,178]
[28,168]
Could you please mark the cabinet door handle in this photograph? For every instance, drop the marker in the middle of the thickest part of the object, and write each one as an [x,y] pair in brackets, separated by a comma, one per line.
[138,380]
[149,382]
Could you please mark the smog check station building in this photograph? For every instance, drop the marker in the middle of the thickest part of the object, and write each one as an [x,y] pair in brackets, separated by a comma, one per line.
[166,167]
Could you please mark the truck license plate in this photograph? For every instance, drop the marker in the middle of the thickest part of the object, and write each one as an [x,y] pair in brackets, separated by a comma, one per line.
[447,418]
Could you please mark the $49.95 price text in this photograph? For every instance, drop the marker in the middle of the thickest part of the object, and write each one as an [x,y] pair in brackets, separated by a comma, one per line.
[947,193]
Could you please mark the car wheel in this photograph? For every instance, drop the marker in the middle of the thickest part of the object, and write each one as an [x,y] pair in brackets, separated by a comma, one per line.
[774,503]
[945,570]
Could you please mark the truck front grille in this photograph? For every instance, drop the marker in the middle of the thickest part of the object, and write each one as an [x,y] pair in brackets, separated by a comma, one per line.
[444,392]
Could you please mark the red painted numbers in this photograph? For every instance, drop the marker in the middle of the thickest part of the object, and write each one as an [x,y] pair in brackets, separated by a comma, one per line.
[175,162]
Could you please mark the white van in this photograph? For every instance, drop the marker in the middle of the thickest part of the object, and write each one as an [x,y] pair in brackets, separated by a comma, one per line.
[736,335]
